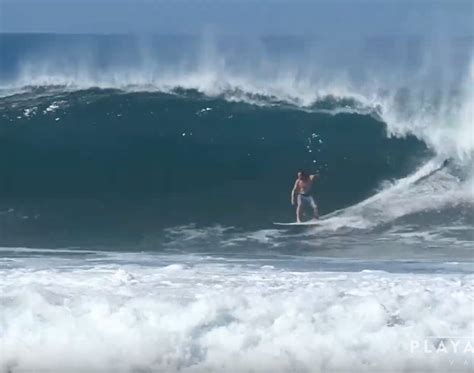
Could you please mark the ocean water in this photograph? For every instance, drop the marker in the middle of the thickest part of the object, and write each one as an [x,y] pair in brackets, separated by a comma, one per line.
[140,178]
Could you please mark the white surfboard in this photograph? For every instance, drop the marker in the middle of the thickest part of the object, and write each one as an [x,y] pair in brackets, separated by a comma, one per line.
[312,222]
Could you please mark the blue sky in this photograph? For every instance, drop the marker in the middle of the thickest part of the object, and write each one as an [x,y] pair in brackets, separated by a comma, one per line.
[238,16]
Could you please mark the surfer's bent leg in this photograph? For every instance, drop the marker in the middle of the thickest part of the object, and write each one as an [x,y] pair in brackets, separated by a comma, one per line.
[299,209]
[314,206]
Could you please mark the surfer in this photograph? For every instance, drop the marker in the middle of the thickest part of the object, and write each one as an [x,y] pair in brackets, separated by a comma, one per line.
[301,191]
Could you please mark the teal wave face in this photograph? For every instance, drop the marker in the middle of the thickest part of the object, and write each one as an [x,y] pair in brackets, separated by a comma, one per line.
[106,161]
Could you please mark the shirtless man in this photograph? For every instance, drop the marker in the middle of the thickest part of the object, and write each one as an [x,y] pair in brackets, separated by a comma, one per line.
[301,190]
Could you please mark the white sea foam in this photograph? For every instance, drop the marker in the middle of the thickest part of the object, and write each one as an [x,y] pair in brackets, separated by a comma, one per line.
[54,106]
[30,112]
[430,188]
[231,318]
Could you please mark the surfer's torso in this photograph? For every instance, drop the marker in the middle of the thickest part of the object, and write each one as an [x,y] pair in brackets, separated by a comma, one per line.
[304,185]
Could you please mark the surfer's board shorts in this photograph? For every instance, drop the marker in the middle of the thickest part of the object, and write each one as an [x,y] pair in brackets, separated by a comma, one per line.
[304,199]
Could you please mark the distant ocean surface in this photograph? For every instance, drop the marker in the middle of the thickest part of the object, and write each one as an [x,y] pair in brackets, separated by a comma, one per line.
[140,178]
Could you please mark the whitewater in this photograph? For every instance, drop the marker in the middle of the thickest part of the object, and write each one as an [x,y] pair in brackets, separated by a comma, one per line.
[138,194]
[151,313]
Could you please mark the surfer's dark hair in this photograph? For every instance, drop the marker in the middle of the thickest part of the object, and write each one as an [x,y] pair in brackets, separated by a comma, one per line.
[303,173]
